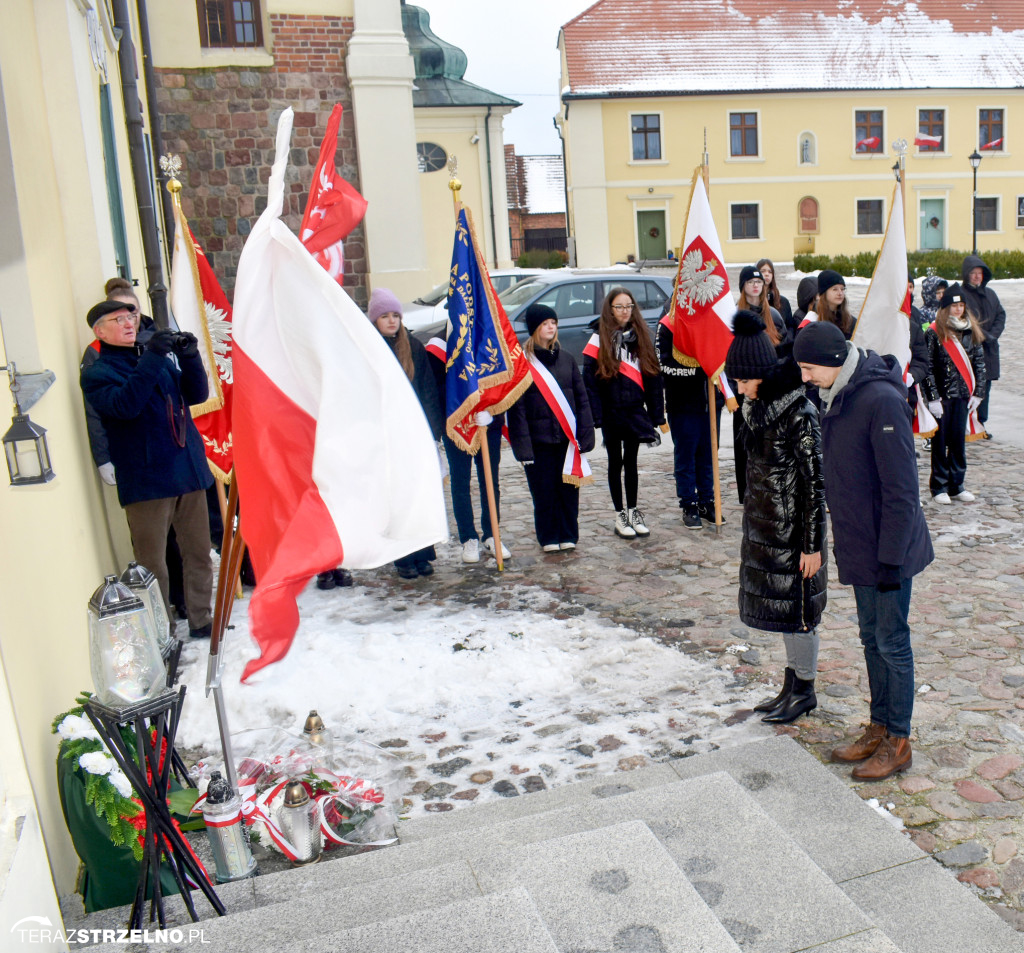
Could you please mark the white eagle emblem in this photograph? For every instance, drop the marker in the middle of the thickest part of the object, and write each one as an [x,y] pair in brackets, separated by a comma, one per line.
[698,283]
[220,338]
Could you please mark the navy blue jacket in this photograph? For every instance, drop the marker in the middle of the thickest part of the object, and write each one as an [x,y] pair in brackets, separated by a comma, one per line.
[871,482]
[142,400]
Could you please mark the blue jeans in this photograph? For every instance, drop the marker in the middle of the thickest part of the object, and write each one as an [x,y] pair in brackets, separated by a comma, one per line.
[460,466]
[691,450]
[885,635]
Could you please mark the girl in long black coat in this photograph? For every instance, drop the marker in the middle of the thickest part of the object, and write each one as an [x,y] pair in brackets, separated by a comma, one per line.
[540,443]
[783,575]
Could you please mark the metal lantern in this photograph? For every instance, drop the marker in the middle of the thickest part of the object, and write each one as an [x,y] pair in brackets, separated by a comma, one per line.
[144,584]
[28,457]
[123,648]
[298,818]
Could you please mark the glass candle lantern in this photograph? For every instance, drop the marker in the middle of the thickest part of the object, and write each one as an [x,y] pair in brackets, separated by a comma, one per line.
[123,649]
[298,818]
[229,840]
[143,583]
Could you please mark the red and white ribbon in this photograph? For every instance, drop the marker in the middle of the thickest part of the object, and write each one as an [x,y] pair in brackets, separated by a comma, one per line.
[576,469]
[629,366]
[438,348]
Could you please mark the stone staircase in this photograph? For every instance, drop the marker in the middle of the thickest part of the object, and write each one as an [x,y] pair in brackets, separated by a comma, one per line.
[756,848]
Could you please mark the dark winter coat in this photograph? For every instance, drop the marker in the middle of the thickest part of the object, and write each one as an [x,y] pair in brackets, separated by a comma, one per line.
[620,408]
[946,382]
[531,421]
[424,384]
[143,401]
[932,288]
[871,482]
[984,302]
[920,366]
[784,507]
[686,384]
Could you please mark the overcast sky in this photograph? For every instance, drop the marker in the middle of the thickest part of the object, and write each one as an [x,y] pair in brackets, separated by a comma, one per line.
[512,51]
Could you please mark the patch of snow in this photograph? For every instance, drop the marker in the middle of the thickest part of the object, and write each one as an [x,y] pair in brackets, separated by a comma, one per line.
[884,810]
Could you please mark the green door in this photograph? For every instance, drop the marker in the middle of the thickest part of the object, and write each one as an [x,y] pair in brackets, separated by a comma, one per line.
[933,223]
[650,228]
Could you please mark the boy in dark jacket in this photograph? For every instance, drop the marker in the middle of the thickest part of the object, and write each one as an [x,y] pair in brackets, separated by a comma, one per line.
[881,538]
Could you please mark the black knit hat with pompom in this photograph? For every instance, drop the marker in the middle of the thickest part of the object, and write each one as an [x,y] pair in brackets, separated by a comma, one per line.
[751,355]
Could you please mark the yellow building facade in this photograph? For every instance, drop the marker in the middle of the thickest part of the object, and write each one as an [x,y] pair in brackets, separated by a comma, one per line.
[790,169]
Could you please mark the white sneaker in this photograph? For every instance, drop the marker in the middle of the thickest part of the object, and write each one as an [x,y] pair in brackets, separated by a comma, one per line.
[636,520]
[489,546]
[942,498]
[551,548]
[566,545]
[471,551]
[623,527]
[964,496]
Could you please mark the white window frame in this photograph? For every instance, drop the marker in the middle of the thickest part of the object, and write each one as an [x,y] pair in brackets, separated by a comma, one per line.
[814,148]
[729,157]
[760,220]
[944,153]
[854,154]
[856,219]
[661,133]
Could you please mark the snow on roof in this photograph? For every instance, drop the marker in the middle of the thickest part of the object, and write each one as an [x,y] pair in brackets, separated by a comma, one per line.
[637,47]
[545,184]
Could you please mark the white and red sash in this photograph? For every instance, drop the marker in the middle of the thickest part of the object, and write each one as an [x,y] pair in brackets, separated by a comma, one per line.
[955,350]
[438,348]
[809,318]
[576,469]
[629,366]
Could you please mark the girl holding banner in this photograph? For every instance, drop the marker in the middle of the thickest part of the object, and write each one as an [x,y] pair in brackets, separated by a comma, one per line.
[958,369]
[550,428]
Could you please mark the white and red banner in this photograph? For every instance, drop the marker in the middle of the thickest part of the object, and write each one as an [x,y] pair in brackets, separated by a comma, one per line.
[929,142]
[334,458]
[925,424]
[882,324]
[200,307]
[333,208]
[702,306]
[576,469]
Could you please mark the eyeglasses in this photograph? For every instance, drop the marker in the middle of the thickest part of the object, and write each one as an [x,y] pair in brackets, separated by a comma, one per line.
[622,307]
[122,319]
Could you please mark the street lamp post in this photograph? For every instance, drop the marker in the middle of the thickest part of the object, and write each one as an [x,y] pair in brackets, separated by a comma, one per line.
[975,160]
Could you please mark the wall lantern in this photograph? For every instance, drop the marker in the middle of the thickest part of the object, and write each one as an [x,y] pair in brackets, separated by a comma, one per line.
[28,456]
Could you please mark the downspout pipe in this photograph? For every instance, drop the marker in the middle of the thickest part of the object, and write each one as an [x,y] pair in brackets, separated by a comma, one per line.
[141,173]
[156,137]
[490,188]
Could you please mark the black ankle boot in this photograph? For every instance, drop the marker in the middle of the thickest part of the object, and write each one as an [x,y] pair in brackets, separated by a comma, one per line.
[800,701]
[787,686]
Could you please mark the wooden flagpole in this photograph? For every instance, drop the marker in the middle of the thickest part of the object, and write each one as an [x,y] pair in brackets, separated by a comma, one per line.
[455,185]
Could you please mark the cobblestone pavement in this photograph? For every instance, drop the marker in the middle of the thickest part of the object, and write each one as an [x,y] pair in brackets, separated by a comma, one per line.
[963,799]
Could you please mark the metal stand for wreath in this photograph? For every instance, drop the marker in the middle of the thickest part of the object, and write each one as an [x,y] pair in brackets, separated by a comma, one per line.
[155,723]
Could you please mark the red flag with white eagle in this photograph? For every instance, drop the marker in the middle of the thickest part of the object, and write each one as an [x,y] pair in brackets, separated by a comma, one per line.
[200,307]
[702,307]
[333,208]
[334,458]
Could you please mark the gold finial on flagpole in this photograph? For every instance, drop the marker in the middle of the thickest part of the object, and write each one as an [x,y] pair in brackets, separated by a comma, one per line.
[170,165]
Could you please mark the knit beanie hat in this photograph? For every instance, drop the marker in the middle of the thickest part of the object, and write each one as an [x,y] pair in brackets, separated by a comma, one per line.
[951,295]
[537,314]
[751,355]
[746,273]
[820,343]
[381,302]
[102,309]
[827,279]
[806,292]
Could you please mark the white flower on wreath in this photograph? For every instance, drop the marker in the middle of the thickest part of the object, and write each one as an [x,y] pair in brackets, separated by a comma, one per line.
[77,726]
[98,762]
[120,782]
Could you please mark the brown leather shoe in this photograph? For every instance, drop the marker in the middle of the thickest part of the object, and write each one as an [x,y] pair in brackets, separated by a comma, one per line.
[863,748]
[892,755]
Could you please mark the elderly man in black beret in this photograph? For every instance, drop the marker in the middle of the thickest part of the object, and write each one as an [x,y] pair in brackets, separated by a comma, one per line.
[880,536]
[142,396]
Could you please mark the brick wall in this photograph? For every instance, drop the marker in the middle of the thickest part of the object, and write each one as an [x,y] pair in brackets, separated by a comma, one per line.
[222,122]
[544,220]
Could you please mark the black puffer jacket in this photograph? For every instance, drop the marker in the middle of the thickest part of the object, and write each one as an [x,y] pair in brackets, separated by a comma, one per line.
[784,508]
[531,420]
[984,302]
[946,382]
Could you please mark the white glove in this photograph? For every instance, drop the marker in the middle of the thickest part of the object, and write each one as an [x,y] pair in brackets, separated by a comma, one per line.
[935,406]
[973,403]
[106,471]
[910,380]
[484,419]
[442,459]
